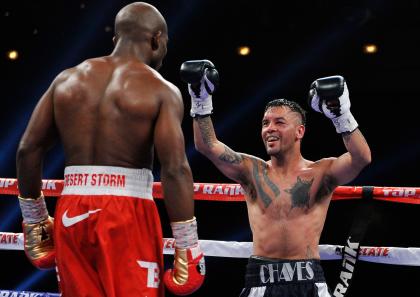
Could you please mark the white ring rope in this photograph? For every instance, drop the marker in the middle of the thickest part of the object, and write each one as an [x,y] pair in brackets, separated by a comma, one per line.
[10,293]
[233,192]
[232,249]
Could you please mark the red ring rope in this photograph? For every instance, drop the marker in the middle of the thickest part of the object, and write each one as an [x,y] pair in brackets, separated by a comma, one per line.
[234,192]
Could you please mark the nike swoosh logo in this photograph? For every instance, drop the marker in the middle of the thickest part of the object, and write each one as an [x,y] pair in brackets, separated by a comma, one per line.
[67,222]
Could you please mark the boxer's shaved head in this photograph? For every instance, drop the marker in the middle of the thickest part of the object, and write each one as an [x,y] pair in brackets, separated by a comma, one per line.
[138,21]
[141,29]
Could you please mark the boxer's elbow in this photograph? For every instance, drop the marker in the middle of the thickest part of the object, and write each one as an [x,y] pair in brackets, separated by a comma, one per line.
[362,160]
[201,147]
[21,152]
[207,150]
[25,150]
[28,158]
[176,170]
[366,157]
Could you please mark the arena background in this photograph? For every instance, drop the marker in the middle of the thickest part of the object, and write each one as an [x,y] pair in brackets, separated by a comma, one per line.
[292,43]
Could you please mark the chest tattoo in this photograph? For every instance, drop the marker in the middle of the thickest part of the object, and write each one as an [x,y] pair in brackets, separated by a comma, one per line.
[300,192]
[264,196]
[270,183]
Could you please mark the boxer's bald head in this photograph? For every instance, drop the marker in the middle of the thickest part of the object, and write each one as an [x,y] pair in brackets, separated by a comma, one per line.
[140,22]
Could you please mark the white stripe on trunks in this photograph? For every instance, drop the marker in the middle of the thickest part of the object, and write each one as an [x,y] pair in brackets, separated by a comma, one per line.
[322,290]
[257,292]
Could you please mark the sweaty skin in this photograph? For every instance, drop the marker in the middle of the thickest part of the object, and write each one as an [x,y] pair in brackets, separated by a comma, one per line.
[115,110]
[288,196]
[287,225]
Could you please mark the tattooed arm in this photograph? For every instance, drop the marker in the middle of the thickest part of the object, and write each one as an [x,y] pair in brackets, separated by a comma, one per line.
[229,162]
[346,167]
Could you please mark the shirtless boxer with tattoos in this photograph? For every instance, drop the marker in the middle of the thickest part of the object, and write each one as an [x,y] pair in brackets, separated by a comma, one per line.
[287,196]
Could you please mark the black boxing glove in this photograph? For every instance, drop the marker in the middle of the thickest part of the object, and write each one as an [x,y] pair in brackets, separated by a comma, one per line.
[203,79]
[330,96]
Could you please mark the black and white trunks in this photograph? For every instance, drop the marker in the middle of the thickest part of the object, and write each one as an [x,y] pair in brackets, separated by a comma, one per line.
[266,277]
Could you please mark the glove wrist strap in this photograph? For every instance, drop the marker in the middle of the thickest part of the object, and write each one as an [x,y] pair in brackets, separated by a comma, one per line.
[201,107]
[33,210]
[185,234]
[345,123]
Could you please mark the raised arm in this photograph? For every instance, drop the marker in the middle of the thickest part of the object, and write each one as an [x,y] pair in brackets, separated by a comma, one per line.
[229,162]
[348,166]
[330,96]
[202,79]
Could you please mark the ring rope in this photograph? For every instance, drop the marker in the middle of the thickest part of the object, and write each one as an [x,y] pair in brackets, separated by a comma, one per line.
[10,293]
[234,192]
[234,249]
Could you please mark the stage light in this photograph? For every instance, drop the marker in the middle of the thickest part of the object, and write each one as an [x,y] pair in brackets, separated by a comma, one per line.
[12,54]
[244,50]
[370,48]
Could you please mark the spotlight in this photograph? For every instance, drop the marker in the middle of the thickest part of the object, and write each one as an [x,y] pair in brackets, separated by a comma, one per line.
[370,49]
[244,50]
[12,54]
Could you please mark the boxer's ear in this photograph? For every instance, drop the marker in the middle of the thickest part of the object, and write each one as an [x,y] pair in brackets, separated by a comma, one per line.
[155,42]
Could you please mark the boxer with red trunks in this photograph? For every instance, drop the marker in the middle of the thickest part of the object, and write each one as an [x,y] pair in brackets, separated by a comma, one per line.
[111,113]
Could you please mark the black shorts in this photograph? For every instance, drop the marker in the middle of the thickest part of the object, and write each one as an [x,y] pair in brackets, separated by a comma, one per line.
[267,277]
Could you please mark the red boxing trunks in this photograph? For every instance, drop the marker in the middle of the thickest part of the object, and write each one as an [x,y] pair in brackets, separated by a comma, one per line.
[267,277]
[108,236]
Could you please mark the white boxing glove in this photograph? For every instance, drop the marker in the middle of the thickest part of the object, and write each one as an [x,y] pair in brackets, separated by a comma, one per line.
[203,79]
[330,96]
[201,99]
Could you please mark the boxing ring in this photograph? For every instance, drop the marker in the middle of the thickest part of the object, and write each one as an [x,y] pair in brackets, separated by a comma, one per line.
[349,253]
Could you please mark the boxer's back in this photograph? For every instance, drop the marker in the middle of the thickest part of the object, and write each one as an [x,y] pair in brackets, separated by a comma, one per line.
[105,109]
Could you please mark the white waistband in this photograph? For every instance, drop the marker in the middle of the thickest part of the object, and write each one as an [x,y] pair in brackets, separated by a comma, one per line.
[108,180]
